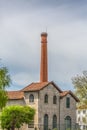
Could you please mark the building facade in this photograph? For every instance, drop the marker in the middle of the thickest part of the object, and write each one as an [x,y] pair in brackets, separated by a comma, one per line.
[54,108]
[82,117]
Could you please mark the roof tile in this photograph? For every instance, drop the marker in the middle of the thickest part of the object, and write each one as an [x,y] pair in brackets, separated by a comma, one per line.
[35,86]
[64,93]
[15,94]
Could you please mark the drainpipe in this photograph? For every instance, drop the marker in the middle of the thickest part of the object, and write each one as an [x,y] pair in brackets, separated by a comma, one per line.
[59,112]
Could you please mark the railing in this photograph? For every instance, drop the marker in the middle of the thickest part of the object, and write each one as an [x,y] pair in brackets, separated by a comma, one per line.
[83,127]
[57,127]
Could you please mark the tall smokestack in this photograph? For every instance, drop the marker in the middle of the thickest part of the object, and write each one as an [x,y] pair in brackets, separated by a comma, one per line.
[44,64]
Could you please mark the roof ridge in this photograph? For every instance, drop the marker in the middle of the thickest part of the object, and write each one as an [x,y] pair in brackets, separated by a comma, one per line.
[14,91]
[35,86]
[56,86]
[64,93]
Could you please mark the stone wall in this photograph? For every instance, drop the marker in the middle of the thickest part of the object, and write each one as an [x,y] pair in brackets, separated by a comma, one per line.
[64,112]
[33,104]
[48,108]
[16,102]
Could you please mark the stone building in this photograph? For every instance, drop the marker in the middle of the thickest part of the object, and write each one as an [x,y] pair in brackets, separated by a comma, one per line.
[54,108]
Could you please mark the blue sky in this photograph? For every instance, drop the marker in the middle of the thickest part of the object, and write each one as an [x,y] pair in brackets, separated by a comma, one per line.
[21,23]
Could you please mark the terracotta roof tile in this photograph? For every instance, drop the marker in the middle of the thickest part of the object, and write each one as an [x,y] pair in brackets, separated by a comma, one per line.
[32,87]
[64,93]
[39,85]
[35,86]
[15,94]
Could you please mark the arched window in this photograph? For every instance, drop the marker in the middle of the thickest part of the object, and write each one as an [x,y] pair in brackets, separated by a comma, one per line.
[68,122]
[54,100]
[46,98]
[45,122]
[31,98]
[54,121]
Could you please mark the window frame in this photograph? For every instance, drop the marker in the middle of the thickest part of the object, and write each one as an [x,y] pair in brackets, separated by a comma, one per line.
[54,99]
[79,111]
[46,98]
[84,111]
[67,102]
[31,98]
[46,121]
[54,121]
[68,122]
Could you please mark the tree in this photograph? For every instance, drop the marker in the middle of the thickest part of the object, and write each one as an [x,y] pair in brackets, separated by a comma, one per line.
[3,98]
[80,85]
[4,82]
[15,116]
[4,78]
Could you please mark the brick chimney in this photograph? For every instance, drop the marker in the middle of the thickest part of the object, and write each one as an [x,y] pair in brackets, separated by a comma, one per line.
[44,64]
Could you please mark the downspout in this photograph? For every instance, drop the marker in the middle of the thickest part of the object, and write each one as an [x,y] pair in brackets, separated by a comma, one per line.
[59,112]
[38,110]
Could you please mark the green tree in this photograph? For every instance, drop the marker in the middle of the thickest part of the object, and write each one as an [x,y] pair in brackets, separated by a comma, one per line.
[84,119]
[3,98]
[4,82]
[15,116]
[80,85]
[4,78]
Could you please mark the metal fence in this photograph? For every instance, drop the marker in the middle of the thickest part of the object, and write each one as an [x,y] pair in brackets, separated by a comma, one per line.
[58,127]
[83,127]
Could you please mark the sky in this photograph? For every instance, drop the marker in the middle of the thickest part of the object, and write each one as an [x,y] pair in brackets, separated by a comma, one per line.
[21,24]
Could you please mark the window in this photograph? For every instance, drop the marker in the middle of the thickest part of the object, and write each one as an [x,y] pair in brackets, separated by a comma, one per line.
[54,100]
[31,98]
[68,123]
[78,119]
[84,120]
[67,102]
[84,111]
[84,127]
[78,111]
[46,98]
[54,121]
[45,122]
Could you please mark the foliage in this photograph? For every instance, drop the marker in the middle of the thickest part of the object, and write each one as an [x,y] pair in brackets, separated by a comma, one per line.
[15,116]
[4,78]
[80,85]
[4,82]
[84,119]
[55,129]
[3,98]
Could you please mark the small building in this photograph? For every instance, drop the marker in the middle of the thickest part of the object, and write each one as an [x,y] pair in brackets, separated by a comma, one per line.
[54,108]
[81,113]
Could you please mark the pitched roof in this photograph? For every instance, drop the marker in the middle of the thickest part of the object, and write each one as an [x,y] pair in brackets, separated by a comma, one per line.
[15,95]
[35,86]
[32,87]
[38,86]
[64,93]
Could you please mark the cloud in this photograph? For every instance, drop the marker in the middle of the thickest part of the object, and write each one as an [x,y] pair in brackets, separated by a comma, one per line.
[20,27]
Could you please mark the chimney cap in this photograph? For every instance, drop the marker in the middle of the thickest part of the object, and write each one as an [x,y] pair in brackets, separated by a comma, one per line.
[44,34]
